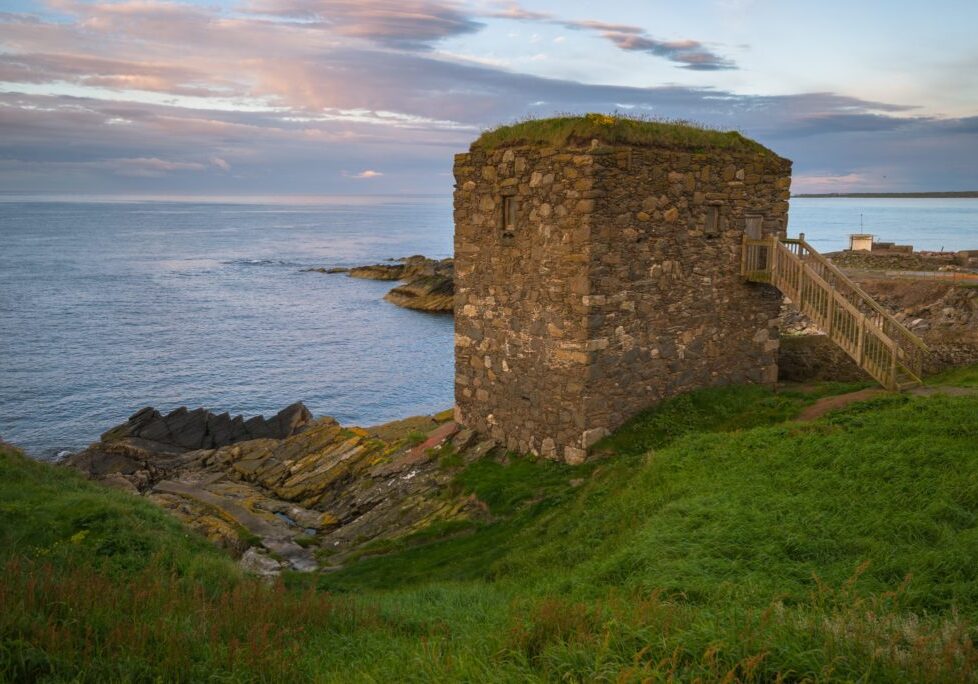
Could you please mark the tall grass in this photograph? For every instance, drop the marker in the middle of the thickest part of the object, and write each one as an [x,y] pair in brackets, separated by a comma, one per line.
[77,623]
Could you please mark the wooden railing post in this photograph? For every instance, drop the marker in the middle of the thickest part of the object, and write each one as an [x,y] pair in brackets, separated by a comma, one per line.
[743,256]
[893,368]
[830,313]
[861,337]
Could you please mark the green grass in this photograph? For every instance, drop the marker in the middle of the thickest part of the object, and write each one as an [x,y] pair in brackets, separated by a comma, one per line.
[614,129]
[717,540]
[415,437]
[722,409]
[956,377]
[53,515]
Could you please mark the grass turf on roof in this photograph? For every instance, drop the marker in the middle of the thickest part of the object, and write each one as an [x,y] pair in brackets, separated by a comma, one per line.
[579,131]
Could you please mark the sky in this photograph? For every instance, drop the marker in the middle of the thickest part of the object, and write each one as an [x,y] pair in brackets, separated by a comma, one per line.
[316,97]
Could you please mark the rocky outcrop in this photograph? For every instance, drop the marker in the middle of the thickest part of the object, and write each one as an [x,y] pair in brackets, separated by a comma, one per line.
[185,430]
[330,271]
[307,501]
[429,283]
[378,272]
[417,266]
[407,268]
[433,293]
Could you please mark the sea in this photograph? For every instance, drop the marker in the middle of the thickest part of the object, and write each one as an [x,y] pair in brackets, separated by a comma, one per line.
[110,305]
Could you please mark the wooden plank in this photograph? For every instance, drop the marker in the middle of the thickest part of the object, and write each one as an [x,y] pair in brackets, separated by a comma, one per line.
[743,256]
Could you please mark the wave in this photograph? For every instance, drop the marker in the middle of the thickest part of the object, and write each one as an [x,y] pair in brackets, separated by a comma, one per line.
[264,262]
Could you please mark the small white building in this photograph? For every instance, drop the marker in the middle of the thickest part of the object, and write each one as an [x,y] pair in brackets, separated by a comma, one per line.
[860,242]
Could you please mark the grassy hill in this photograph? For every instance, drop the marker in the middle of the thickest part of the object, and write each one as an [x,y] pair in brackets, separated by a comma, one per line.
[719,539]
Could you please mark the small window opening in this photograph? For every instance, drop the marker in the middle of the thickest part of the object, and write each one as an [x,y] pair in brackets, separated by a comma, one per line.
[508,222]
[755,227]
[712,227]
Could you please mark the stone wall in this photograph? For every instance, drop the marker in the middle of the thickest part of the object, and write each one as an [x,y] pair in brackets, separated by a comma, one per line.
[611,283]
[670,312]
[809,358]
[520,309]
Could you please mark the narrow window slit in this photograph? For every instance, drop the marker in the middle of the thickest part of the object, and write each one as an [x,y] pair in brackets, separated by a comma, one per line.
[508,218]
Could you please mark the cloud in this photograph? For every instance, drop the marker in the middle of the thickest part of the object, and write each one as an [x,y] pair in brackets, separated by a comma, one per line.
[364,174]
[689,54]
[139,167]
[138,95]
[147,167]
[818,183]
[403,24]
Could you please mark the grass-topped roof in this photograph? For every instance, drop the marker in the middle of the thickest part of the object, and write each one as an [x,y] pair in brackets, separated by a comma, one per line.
[579,131]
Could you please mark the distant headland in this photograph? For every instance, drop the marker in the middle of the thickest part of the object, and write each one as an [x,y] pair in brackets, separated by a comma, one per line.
[896,195]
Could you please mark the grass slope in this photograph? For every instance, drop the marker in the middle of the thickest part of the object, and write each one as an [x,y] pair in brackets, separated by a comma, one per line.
[718,540]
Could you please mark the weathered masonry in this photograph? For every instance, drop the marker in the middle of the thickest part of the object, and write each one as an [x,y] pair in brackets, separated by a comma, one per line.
[594,279]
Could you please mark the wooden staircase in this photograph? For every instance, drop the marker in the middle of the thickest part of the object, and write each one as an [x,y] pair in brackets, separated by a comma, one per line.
[875,340]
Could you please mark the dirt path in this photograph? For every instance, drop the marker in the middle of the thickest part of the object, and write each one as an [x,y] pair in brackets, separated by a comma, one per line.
[823,406]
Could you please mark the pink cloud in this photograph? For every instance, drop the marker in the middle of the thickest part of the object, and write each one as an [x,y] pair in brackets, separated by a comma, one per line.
[367,174]
[146,89]
[409,24]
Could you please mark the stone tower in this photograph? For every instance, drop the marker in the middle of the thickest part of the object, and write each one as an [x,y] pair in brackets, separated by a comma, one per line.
[595,279]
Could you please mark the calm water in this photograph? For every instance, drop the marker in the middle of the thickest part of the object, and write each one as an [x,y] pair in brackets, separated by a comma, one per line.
[105,308]
[108,307]
[931,224]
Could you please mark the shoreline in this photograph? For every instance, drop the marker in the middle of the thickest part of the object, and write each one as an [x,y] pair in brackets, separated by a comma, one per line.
[953,194]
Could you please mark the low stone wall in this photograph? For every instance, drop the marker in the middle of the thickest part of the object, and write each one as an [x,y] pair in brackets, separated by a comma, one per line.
[809,358]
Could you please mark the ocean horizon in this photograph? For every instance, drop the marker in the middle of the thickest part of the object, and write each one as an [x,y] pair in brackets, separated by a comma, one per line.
[110,305]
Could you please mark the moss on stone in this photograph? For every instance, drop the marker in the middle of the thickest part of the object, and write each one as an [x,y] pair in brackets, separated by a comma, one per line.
[579,131]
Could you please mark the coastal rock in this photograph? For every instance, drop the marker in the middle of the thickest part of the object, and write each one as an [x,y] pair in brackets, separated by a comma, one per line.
[407,268]
[418,265]
[433,293]
[889,261]
[335,269]
[311,498]
[257,563]
[185,430]
[429,283]
[378,272]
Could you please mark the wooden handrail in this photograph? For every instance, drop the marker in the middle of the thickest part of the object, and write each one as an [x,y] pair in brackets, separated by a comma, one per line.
[817,288]
[866,299]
